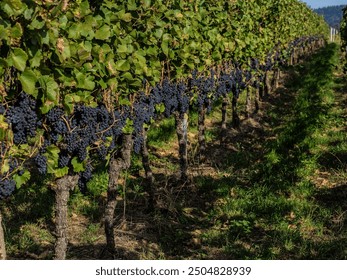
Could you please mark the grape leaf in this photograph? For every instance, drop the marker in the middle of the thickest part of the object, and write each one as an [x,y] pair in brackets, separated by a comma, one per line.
[28,80]
[19,58]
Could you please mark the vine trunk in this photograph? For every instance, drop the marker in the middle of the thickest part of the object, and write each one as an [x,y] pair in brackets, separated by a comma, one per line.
[62,193]
[119,163]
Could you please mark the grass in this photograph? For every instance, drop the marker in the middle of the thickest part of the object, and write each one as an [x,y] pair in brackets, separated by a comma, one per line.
[273,191]
[277,215]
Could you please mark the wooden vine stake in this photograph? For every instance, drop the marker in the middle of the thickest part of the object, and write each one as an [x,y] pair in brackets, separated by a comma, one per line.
[120,162]
[62,190]
[181,120]
[201,134]
[2,241]
[148,171]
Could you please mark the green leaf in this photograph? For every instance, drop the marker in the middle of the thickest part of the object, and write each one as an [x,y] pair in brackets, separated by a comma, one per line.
[123,65]
[165,47]
[63,48]
[36,60]
[160,108]
[113,84]
[127,17]
[85,82]
[37,24]
[16,31]
[5,167]
[28,13]
[74,31]
[3,33]
[129,127]
[127,76]
[103,33]
[125,49]
[84,8]
[77,166]
[132,5]
[165,44]
[28,80]
[136,83]
[14,4]
[50,88]
[3,128]
[153,51]
[124,101]
[83,51]
[61,172]
[21,180]
[52,155]
[13,7]
[19,58]
[69,101]
[111,67]
[52,151]
[147,3]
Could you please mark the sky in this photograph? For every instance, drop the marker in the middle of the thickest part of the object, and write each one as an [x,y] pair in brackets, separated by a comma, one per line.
[323,3]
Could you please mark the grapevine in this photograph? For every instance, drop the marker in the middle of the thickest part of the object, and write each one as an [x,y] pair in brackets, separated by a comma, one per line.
[81,81]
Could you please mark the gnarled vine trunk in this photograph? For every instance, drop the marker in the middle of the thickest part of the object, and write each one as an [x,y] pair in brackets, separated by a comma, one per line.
[249,102]
[148,171]
[236,119]
[224,119]
[120,162]
[257,100]
[268,89]
[2,241]
[62,190]
[182,135]
[276,78]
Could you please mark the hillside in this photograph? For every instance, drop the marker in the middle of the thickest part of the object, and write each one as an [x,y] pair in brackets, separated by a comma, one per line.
[332,14]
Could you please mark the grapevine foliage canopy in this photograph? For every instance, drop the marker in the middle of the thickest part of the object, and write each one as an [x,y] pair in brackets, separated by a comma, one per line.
[72,73]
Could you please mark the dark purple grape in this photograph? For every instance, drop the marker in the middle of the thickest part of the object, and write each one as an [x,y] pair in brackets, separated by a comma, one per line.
[7,187]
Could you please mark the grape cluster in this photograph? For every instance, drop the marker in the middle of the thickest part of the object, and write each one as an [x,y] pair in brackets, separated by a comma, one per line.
[239,83]
[183,98]
[205,86]
[64,159]
[2,109]
[222,86]
[23,118]
[170,100]
[41,163]
[55,122]
[85,177]
[7,187]
[157,95]
[248,75]
[86,127]
[255,64]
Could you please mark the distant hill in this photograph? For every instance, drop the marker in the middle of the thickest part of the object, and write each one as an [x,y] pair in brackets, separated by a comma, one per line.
[332,14]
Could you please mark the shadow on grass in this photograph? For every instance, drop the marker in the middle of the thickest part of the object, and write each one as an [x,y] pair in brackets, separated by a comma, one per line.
[27,220]
[263,206]
[273,213]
